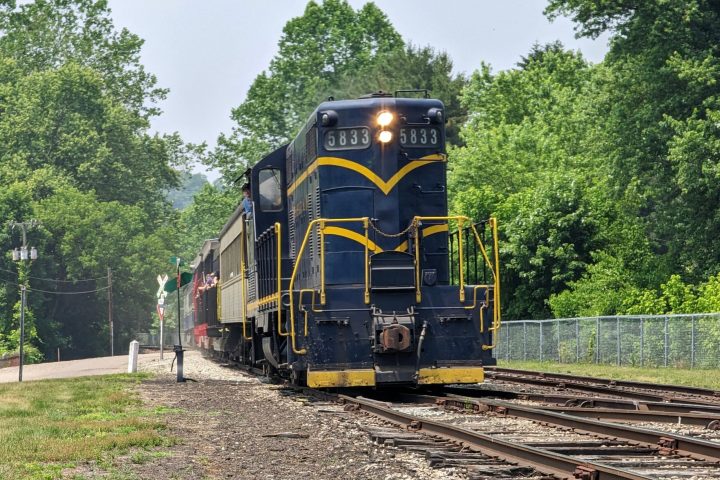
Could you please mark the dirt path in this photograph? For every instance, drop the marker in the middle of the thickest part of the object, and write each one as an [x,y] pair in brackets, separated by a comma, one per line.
[75,368]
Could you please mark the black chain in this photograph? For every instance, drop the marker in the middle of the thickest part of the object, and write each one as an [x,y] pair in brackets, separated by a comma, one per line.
[391,235]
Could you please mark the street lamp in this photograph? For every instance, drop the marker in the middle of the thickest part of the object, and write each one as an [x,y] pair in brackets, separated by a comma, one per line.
[19,255]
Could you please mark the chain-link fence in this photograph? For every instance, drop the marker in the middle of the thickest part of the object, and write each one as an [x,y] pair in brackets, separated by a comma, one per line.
[153,339]
[682,341]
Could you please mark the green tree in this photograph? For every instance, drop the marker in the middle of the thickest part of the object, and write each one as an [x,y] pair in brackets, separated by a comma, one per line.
[524,125]
[550,234]
[205,217]
[63,118]
[526,160]
[46,34]
[75,153]
[280,99]
[660,107]
[85,237]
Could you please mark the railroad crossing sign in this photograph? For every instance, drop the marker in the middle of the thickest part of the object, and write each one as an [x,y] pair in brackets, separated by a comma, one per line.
[161,293]
[162,280]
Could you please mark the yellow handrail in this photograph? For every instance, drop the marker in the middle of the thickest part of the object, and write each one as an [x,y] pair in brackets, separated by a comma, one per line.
[494,269]
[418,294]
[312,304]
[290,289]
[321,239]
[321,223]
[482,323]
[279,279]
[497,319]
[460,260]
[243,286]
[475,289]
[482,250]
[366,225]
[461,219]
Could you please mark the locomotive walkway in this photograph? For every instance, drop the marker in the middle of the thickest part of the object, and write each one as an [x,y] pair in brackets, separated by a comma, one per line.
[75,368]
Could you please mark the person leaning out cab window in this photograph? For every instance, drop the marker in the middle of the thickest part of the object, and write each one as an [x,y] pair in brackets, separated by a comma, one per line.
[247,201]
[211,280]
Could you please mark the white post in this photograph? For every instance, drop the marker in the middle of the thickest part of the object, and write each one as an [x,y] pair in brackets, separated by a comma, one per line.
[162,338]
[133,356]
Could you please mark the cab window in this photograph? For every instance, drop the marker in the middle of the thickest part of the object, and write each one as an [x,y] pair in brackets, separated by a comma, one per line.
[270,190]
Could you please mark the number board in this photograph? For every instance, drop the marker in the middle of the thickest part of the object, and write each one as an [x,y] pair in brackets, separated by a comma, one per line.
[419,137]
[355,138]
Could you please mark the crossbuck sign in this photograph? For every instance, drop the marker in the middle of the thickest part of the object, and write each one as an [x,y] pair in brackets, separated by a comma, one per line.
[162,280]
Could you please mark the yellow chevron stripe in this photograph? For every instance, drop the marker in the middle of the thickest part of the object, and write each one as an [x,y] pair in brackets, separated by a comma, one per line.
[426,232]
[385,186]
[344,232]
[372,246]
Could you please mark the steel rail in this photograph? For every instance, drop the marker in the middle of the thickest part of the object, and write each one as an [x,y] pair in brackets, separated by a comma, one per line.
[584,401]
[709,421]
[577,386]
[597,388]
[661,387]
[644,406]
[666,443]
[543,461]
[557,398]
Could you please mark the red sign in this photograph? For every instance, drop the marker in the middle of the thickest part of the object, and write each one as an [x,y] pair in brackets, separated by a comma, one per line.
[161,312]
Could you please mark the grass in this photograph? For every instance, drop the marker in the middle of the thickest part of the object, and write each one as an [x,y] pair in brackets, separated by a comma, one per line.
[674,376]
[48,426]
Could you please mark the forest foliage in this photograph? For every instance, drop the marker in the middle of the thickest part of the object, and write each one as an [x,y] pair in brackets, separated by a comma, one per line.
[604,176]
[76,154]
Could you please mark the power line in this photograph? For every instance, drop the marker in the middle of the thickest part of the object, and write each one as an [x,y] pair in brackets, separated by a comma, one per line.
[10,282]
[69,293]
[17,285]
[56,280]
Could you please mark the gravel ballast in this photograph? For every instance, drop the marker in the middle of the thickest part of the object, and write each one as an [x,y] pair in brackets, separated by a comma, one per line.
[230,425]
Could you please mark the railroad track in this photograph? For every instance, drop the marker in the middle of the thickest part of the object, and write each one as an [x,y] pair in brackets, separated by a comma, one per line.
[583,401]
[681,389]
[564,446]
[581,404]
[685,414]
[636,391]
[493,439]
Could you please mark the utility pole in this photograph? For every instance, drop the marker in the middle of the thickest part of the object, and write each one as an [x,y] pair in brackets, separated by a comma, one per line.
[110,317]
[22,254]
[22,330]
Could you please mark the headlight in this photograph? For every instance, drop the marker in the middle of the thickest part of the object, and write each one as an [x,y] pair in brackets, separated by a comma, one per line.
[384,119]
[436,115]
[385,136]
[328,118]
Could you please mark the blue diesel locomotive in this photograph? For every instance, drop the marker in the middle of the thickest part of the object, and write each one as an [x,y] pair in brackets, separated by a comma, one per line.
[349,272]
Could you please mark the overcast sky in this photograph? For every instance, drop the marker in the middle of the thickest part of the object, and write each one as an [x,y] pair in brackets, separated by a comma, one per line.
[208,52]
